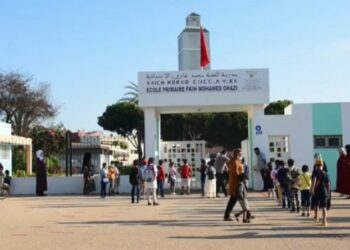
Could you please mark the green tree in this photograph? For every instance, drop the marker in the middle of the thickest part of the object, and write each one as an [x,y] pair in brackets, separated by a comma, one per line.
[184,126]
[50,139]
[277,108]
[127,119]
[132,95]
[227,129]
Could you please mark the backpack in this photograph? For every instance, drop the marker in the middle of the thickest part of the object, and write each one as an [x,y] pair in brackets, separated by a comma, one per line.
[211,175]
[149,175]
[283,176]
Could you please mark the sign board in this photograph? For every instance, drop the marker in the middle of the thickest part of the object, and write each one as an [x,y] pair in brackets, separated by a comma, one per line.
[203,87]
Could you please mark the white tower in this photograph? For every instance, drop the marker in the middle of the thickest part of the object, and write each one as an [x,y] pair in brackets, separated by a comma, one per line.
[189,44]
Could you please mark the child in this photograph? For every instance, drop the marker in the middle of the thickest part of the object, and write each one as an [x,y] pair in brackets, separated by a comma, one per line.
[242,199]
[276,184]
[320,189]
[172,177]
[283,179]
[305,185]
[269,181]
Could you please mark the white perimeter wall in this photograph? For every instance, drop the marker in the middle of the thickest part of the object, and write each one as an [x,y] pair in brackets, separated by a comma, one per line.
[71,185]
[297,125]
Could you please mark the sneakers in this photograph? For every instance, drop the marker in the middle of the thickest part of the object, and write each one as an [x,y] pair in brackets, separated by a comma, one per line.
[237,217]
[302,214]
[246,221]
[155,204]
[325,223]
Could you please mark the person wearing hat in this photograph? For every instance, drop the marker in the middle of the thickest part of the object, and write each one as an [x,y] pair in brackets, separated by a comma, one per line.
[320,189]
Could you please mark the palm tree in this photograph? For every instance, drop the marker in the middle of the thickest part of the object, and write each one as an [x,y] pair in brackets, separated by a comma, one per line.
[132,95]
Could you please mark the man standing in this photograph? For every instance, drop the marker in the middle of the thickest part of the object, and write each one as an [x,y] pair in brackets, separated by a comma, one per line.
[219,165]
[235,168]
[261,166]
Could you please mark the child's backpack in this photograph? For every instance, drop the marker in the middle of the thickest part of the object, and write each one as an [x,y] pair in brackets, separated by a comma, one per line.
[283,177]
[149,175]
[211,174]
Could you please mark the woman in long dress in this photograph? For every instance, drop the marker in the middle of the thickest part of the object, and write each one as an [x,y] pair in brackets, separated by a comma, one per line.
[41,173]
[210,182]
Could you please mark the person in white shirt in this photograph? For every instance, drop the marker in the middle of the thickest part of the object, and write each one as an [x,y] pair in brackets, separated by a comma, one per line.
[150,177]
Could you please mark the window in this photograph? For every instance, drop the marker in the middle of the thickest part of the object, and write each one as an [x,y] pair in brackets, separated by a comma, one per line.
[328,141]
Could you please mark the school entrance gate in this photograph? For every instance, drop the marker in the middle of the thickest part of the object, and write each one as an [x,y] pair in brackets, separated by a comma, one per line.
[170,92]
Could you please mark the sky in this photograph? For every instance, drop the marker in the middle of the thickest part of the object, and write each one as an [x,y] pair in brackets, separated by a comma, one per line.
[89,50]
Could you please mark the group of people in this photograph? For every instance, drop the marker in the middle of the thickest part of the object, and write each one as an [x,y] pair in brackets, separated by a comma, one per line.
[148,179]
[301,191]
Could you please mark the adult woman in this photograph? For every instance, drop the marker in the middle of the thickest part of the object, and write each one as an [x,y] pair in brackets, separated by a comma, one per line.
[41,173]
[321,191]
[88,173]
[340,170]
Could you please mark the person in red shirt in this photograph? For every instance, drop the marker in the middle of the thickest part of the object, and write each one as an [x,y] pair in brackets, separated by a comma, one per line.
[161,178]
[186,176]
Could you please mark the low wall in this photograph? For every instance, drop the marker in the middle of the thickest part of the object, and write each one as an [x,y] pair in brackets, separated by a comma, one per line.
[61,185]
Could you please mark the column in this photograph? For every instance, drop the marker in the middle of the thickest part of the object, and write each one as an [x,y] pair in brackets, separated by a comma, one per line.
[29,158]
[256,139]
[152,128]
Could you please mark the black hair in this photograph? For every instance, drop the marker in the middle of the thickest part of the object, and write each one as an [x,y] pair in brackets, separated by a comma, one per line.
[136,162]
[184,161]
[290,162]
[150,160]
[203,161]
[223,152]
[160,162]
[7,172]
[305,168]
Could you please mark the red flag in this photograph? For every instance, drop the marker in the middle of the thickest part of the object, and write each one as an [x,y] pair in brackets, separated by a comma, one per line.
[204,50]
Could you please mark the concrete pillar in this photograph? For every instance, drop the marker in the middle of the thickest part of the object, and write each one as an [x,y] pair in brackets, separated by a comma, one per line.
[256,139]
[29,158]
[152,133]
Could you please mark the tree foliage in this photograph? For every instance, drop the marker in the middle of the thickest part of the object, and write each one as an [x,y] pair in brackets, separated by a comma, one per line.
[223,129]
[22,105]
[277,108]
[132,94]
[126,119]
[50,139]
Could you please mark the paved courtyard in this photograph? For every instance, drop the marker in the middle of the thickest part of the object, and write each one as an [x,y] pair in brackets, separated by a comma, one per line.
[181,222]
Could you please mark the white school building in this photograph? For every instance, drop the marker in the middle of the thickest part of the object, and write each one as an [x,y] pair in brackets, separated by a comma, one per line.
[302,131]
